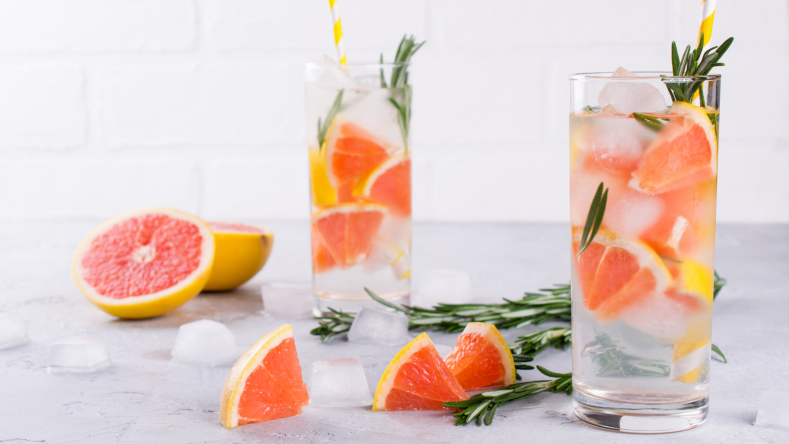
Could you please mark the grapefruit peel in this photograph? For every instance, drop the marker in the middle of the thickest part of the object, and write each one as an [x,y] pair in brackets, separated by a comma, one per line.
[241,251]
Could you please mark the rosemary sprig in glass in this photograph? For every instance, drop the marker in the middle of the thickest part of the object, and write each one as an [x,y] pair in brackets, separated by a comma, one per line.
[694,63]
[401,90]
[594,219]
[323,126]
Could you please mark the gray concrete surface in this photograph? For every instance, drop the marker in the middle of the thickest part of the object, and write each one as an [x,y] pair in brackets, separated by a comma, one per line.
[146,398]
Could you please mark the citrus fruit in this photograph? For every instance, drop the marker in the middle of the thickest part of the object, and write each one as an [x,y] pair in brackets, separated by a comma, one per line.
[691,354]
[684,152]
[417,379]
[481,358]
[241,251]
[322,260]
[322,191]
[144,263]
[352,151]
[265,383]
[347,230]
[694,286]
[390,185]
[615,273]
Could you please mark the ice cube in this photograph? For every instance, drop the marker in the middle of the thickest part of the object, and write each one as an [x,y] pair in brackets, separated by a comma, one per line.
[629,97]
[339,383]
[378,326]
[12,333]
[80,354]
[630,214]
[287,301]
[204,342]
[773,410]
[447,286]
[333,76]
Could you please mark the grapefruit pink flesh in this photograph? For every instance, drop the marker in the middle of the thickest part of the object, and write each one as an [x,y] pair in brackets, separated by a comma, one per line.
[481,358]
[347,230]
[390,186]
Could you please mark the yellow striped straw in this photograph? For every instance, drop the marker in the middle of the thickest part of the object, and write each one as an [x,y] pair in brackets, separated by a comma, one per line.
[335,16]
[707,16]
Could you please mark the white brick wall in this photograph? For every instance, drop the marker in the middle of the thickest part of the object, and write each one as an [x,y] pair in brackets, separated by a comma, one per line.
[112,105]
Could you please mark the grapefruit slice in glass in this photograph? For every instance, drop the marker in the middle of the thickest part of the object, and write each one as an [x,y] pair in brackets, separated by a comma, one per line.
[390,185]
[684,152]
[348,230]
[352,151]
[481,358]
[265,383]
[241,251]
[417,379]
[322,260]
[144,263]
[615,273]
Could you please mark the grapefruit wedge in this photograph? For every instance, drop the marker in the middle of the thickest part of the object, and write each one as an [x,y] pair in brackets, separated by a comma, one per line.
[615,273]
[241,251]
[684,152]
[144,263]
[352,152]
[390,185]
[347,231]
[265,383]
[481,358]
[417,379]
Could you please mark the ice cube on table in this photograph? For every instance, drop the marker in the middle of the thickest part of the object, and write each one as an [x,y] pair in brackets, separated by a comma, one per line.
[80,354]
[339,383]
[12,333]
[630,97]
[204,342]
[443,286]
[773,410]
[287,301]
[378,326]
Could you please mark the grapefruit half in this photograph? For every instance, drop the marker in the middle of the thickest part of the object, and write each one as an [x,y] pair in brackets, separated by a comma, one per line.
[265,383]
[144,263]
[241,251]
[481,358]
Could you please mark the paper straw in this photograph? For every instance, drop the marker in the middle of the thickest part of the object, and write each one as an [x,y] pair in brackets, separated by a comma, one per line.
[707,16]
[335,16]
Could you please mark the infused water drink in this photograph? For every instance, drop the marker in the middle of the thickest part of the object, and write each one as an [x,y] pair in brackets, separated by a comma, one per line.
[360,173]
[643,178]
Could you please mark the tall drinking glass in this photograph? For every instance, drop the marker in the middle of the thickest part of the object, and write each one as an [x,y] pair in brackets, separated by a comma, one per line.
[643,179]
[358,121]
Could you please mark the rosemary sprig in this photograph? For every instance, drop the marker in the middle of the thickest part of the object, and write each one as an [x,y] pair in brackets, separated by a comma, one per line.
[482,407]
[655,123]
[323,128]
[595,218]
[401,90]
[694,63]
[717,286]
[615,362]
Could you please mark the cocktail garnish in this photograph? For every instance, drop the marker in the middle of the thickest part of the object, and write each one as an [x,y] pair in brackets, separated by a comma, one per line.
[693,63]
[401,90]
[323,127]
[594,218]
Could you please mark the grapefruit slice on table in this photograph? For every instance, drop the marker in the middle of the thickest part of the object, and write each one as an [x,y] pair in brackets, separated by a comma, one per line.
[615,273]
[684,152]
[352,151]
[390,185]
[265,383]
[144,263]
[417,379]
[347,230]
[481,358]
[241,251]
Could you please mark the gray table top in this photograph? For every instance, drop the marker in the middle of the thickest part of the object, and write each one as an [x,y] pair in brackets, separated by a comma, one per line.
[145,397]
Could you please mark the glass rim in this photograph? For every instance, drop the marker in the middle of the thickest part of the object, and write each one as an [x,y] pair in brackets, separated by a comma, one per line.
[664,76]
[359,64]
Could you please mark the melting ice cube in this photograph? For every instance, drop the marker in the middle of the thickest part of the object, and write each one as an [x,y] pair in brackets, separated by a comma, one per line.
[81,354]
[339,383]
[447,286]
[630,97]
[289,301]
[773,410]
[12,333]
[204,342]
[377,326]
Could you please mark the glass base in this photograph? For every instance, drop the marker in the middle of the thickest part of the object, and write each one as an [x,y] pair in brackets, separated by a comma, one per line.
[639,418]
[321,305]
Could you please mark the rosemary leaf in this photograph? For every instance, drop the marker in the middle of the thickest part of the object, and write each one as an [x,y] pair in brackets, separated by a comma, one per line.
[594,219]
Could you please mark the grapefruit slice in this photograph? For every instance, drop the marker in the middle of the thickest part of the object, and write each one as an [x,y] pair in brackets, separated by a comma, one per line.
[481,358]
[417,379]
[144,263]
[684,152]
[615,273]
[322,191]
[241,251]
[322,260]
[390,185]
[352,151]
[347,230]
[265,383]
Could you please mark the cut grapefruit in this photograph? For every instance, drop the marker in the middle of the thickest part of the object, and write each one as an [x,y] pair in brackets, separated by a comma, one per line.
[417,379]
[322,260]
[390,185]
[347,230]
[241,251]
[481,358]
[144,263]
[322,191]
[615,273]
[352,151]
[265,383]
[684,152]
